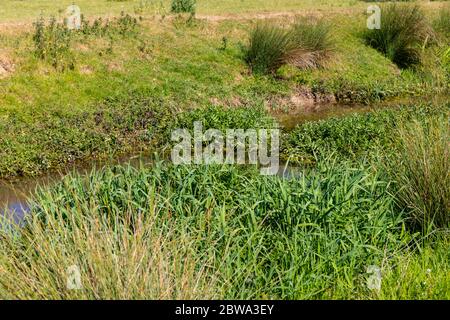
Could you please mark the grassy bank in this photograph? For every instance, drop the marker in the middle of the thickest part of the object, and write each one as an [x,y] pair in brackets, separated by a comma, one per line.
[111,91]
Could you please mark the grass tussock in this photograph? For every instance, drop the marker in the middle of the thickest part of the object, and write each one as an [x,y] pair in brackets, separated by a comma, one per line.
[126,257]
[305,45]
[421,169]
[404,30]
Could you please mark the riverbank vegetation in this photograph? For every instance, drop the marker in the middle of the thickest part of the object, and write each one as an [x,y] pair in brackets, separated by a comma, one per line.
[363,192]
[179,63]
[228,232]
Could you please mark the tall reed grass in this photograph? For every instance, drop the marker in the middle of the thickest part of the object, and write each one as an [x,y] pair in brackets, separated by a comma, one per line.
[190,232]
[306,45]
[421,168]
[404,30]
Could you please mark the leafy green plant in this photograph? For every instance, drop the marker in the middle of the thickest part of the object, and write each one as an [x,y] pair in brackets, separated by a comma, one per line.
[403,32]
[355,136]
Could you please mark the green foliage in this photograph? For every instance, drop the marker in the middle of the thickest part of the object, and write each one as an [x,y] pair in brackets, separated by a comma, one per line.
[215,117]
[123,25]
[116,123]
[52,43]
[183,6]
[355,136]
[420,166]
[403,32]
[305,45]
[260,237]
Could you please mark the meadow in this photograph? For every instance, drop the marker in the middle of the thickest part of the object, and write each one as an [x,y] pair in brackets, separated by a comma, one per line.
[370,189]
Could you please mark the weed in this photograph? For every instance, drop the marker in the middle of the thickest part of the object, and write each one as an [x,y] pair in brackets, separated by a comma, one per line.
[52,43]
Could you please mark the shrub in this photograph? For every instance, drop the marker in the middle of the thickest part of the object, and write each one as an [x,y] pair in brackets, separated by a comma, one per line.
[403,30]
[421,169]
[306,44]
[183,6]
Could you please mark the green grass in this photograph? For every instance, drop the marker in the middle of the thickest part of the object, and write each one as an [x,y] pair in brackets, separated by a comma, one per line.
[403,32]
[305,45]
[258,243]
[356,136]
[369,182]
[11,12]
[420,168]
[441,23]
[217,232]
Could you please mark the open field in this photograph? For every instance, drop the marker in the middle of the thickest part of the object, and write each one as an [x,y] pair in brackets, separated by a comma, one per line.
[370,178]
[13,10]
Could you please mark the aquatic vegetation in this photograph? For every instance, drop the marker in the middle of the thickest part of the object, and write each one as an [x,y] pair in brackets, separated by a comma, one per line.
[248,236]
[356,136]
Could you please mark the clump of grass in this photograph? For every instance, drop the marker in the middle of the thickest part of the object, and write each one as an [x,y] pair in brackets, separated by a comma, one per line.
[305,45]
[421,169]
[403,31]
[127,257]
[183,6]
[267,48]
